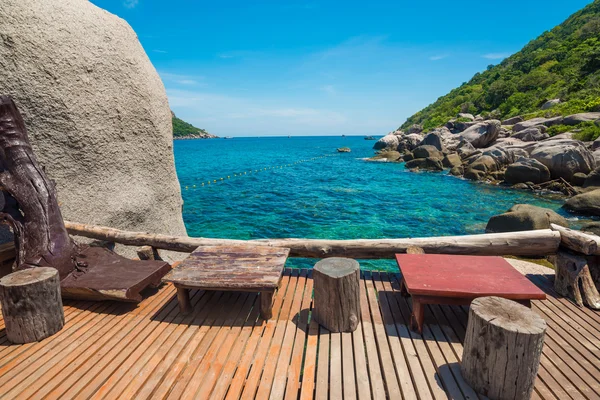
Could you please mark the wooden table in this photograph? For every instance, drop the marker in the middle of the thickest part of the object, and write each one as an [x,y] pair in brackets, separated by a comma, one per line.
[243,268]
[449,279]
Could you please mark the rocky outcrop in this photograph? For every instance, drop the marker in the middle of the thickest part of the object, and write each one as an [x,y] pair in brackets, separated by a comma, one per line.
[593,179]
[547,122]
[480,167]
[427,152]
[433,139]
[533,134]
[564,157]
[388,142]
[409,142]
[482,134]
[96,111]
[466,116]
[415,128]
[452,160]
[434,164]
[512,121]
[524,217]
[526,170]
[576,119]
[585,203]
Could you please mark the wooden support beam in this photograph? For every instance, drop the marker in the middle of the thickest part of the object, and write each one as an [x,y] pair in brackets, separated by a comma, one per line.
[528,243]
[578,241]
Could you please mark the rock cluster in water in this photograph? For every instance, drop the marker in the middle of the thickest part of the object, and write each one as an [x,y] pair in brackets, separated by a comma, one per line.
[513,152]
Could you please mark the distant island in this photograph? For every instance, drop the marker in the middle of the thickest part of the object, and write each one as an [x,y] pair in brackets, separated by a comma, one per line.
[185,130]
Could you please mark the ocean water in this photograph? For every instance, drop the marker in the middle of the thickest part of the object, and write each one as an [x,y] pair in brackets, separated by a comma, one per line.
[300,187]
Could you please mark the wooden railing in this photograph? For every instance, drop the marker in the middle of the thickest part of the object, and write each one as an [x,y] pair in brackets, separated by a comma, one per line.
[531,243]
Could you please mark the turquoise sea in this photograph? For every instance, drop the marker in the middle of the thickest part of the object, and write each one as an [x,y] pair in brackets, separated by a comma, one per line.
[300,187]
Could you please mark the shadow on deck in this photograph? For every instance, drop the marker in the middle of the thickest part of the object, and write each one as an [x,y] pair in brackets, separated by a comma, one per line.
[223,350]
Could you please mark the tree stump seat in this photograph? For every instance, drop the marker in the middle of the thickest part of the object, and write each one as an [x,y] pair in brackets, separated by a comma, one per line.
[502,348]
[336,283]
[31,304]
[574,278]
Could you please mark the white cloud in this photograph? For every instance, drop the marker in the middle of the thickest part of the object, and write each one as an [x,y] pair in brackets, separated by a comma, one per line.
[495,56]
[130,3]
[438,57]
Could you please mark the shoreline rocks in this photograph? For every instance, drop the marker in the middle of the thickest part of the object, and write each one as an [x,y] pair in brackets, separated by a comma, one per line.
[524,217]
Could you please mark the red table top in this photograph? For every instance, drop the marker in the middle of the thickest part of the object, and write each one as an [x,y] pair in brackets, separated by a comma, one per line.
[464,277]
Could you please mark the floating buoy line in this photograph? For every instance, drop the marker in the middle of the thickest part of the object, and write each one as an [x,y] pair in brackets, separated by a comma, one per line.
[235,175]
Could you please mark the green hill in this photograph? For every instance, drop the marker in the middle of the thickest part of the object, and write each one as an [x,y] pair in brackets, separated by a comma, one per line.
[182,129]
[563,63]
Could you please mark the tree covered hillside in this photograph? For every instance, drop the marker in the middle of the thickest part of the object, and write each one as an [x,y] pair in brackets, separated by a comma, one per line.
[182,129]
[563,63]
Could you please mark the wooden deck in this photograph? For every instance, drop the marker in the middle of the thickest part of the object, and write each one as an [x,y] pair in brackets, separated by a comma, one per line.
[222,350]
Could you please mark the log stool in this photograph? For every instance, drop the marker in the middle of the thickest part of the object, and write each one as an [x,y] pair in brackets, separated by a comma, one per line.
[502,348]
[31,304]
[337,294]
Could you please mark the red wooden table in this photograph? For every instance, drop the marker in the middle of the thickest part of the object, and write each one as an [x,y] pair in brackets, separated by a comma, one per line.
[448,279]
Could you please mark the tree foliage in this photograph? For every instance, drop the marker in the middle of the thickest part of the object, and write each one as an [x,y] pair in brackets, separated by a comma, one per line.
[562,63]
[183,129]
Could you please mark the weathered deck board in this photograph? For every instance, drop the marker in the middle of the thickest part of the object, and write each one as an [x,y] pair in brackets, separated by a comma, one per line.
[223,349]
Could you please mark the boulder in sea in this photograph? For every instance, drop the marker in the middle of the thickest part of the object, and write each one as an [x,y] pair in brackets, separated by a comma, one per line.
[482,134]
[563,157]
[591,227]
[433,139]
[533,134]
[480,167]
[547,122]
[585,203]
[550,104]
[388,142]
[96,111]
[434,164]
[576,119]
[428,151]
[386,156]
[524,217]
[526,170]
[409,142]
[344,150]
[452,160]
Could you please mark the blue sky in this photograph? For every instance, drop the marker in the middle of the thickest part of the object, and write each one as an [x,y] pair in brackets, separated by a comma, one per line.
[258,68]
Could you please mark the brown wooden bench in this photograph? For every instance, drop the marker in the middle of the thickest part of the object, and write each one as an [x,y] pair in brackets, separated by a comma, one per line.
[245,268]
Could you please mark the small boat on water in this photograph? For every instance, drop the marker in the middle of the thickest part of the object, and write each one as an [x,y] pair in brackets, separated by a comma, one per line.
[228,137]
[369,138]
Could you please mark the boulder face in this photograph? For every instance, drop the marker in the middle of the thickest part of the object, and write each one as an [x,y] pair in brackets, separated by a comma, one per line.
[482,134]
[536,122]
[576,119]
[586,203]
[533,134]
[389,142]
[96,112]
[564,157]
[526,170]
[433,139]
[524,217]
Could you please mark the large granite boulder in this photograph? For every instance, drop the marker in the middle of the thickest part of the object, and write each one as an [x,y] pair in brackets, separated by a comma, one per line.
[452,160]
[563,157]
[585,203]
[593,179]
[479,167]
[427,151]
[96,111]
[526,170]
[482,133]
[533,134]
[433,139]
[512,121]
[524,217]
[388,142]
[434,164]
[536,122]
[576,119]
[468,116]
[414,128]
[409,142]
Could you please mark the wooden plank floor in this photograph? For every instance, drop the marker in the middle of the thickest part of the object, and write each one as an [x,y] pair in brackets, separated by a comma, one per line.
[223,350]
